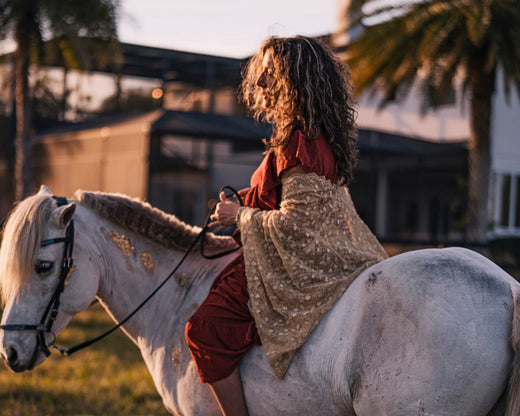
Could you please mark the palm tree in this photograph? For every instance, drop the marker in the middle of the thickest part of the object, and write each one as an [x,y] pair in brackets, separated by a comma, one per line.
[29,22]
[442,40]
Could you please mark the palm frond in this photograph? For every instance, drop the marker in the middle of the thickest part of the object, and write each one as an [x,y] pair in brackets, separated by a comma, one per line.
[436,35]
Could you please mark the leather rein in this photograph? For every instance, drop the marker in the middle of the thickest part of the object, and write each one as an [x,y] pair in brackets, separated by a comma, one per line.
[51,311]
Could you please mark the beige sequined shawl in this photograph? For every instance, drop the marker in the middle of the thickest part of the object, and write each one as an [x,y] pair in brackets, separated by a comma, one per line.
[300,259]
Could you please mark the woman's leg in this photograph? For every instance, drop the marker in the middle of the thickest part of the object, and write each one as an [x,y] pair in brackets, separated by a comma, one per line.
[230,395]
[219,333]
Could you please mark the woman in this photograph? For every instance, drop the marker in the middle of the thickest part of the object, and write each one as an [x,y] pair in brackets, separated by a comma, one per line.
[303,241]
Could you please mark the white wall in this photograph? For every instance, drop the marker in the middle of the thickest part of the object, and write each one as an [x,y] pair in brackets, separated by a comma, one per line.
[445,124]
[505,162]
[505,130]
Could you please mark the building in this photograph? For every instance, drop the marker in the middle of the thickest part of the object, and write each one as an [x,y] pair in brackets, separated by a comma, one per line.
[408,187]
[440,200]
[176,160]
[175,156]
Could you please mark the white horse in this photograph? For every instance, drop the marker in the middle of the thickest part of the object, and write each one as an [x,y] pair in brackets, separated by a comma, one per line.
[423,333]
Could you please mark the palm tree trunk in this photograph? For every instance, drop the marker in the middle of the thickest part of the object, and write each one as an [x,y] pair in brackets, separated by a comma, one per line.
[482,85]
[23,143]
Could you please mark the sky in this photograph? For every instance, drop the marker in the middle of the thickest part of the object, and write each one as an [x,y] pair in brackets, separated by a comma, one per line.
[233,28]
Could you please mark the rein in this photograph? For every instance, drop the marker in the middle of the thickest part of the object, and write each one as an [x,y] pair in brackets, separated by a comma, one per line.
[51,312]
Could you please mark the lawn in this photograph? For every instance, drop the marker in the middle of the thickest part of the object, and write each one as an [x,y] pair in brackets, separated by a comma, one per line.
[107,378]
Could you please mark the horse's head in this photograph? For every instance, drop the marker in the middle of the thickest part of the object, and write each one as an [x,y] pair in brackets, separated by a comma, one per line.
[31,255]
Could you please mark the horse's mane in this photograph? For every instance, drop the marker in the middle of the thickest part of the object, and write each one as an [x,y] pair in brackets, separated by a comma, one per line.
[150,222]
[21,240]
[25,226]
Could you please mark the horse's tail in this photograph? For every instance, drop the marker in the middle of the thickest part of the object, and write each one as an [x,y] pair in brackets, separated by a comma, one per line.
[513,397]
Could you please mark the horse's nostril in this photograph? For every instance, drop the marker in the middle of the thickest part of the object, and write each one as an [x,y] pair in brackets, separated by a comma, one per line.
[12,355]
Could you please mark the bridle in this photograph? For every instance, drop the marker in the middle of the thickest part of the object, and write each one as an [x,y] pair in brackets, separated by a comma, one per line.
[51,312]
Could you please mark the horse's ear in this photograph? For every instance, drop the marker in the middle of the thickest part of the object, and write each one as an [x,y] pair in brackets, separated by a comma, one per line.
[62,216]
[44,190]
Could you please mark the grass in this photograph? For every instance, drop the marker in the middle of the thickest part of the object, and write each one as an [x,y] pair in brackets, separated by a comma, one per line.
[107,378]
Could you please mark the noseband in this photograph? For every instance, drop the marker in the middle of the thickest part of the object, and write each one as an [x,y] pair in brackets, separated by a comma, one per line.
[51,312]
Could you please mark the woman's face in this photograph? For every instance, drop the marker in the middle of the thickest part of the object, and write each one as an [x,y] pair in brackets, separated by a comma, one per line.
[266,79]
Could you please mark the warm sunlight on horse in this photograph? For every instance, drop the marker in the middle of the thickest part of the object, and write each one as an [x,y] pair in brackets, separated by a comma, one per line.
[423,333]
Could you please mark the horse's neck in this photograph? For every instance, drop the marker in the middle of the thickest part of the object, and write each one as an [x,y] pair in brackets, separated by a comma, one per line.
[125,283]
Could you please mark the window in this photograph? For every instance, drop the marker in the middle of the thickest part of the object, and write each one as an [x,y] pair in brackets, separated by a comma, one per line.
[505,192]
[184,204]
[412,217]
[506,205]
[517,203]
[191,151]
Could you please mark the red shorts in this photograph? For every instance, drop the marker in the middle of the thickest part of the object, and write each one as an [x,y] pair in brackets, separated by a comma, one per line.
[222,329]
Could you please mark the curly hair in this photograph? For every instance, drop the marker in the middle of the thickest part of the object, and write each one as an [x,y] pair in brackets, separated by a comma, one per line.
[311,92]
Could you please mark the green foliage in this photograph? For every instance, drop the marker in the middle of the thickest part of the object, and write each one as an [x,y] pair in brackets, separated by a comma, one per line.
[107,378]
[439,41]
[77,32]
[88,18]
[84,30]
[443,38]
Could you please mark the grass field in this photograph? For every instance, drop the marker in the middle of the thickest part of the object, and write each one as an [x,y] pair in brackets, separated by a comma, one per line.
[108,378]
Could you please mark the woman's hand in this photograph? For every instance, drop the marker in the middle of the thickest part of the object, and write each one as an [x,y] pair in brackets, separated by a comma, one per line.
[225,212]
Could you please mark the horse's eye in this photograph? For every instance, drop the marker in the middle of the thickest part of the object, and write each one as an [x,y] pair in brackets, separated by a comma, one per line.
[43,266]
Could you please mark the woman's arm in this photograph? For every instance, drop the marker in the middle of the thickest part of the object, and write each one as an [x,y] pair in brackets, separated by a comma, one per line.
[226,210]
[289,171]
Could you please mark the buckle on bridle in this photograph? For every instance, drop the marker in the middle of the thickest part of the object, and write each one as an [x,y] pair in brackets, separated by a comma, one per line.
[67,262]
[64,351]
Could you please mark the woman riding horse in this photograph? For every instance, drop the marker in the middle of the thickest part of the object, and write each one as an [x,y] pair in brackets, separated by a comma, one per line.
[303,240]
[433,332]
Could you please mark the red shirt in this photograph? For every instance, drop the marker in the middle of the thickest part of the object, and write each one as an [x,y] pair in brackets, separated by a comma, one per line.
[222,329]
[313,155]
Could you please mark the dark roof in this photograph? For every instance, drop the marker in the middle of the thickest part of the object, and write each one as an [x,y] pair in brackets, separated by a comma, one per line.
[188,67]
[184,123]
[372,141]
[210,125]
[92,123]
[201,70]
[245,129]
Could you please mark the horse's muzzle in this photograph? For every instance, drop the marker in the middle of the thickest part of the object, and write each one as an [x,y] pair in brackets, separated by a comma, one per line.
[12,360]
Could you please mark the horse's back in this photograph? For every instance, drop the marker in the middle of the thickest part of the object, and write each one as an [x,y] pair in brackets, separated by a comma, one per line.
[426,332]
[429,333]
